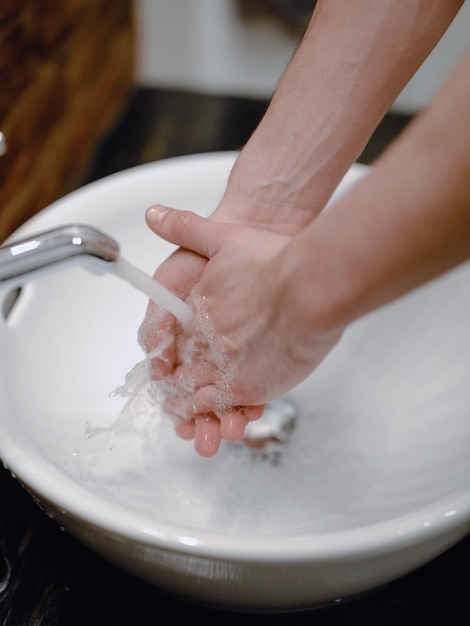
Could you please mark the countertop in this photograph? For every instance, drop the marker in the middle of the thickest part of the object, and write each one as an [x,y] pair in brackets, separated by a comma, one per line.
[55,581]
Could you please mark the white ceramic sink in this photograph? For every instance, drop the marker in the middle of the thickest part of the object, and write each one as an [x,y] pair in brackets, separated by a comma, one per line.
[373,482]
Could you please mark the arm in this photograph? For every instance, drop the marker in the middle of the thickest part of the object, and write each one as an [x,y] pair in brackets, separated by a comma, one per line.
[405,223]
[352,63]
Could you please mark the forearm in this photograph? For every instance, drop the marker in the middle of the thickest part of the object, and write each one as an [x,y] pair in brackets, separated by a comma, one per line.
[405,223]
[352,63]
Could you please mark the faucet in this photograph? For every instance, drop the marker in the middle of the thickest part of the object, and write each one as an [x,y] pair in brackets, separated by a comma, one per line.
[21,260]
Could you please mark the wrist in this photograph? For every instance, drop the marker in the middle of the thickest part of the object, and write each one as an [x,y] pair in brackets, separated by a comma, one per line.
[278,199]
[313,303]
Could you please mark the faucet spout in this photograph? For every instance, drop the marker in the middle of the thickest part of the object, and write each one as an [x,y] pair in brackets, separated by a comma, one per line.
[22,260]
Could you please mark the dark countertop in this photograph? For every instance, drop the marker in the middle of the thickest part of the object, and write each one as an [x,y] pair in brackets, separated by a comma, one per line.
[55,581]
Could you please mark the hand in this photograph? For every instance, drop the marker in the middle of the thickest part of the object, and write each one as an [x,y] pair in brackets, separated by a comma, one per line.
[244,348]
[159,330]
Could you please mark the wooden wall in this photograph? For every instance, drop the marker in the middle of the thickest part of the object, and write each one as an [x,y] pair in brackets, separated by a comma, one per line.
[66,69]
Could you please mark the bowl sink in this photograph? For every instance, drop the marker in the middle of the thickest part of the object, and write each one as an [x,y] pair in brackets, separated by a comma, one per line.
[372,482]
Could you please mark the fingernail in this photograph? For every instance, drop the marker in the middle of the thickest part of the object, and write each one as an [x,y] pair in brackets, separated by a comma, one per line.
[155,214]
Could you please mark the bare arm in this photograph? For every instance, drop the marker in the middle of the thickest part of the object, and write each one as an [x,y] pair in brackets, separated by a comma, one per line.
[405,223]
[352,63]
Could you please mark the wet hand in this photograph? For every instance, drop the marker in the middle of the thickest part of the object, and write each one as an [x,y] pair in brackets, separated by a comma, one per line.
[220,378]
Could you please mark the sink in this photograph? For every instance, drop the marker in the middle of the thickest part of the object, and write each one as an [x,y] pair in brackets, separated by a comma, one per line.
[372,482]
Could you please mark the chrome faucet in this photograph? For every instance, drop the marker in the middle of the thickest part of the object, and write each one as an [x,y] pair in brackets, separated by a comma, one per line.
[24,259]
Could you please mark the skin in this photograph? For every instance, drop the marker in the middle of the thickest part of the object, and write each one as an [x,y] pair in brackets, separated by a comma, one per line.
[303,276]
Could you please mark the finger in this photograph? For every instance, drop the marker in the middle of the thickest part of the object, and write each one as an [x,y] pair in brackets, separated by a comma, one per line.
[189,379]
[253,413]
[207,398]
[180,271]
[156,336]
[156,325]
[187,230]
[207,435]
[232,425]
[204,399]
[185,429]
[160,368]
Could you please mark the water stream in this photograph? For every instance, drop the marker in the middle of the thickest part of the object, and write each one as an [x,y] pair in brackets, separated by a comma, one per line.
[153,289]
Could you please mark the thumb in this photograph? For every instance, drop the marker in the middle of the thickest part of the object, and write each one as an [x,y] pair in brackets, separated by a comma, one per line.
[186,229]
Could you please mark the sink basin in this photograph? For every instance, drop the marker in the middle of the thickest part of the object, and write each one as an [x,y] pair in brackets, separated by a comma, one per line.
[372,482]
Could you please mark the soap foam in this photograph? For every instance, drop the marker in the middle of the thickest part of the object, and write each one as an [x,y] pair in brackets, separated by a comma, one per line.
[148,400]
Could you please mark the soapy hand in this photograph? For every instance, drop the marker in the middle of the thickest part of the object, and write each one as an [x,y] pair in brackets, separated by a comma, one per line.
[159,332]
[243,350]
[200,414]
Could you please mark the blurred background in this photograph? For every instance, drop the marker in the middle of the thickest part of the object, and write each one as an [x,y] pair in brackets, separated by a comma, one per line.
[89,87]
[240,47]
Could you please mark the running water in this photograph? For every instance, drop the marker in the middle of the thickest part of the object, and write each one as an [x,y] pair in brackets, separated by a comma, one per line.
[153,289]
